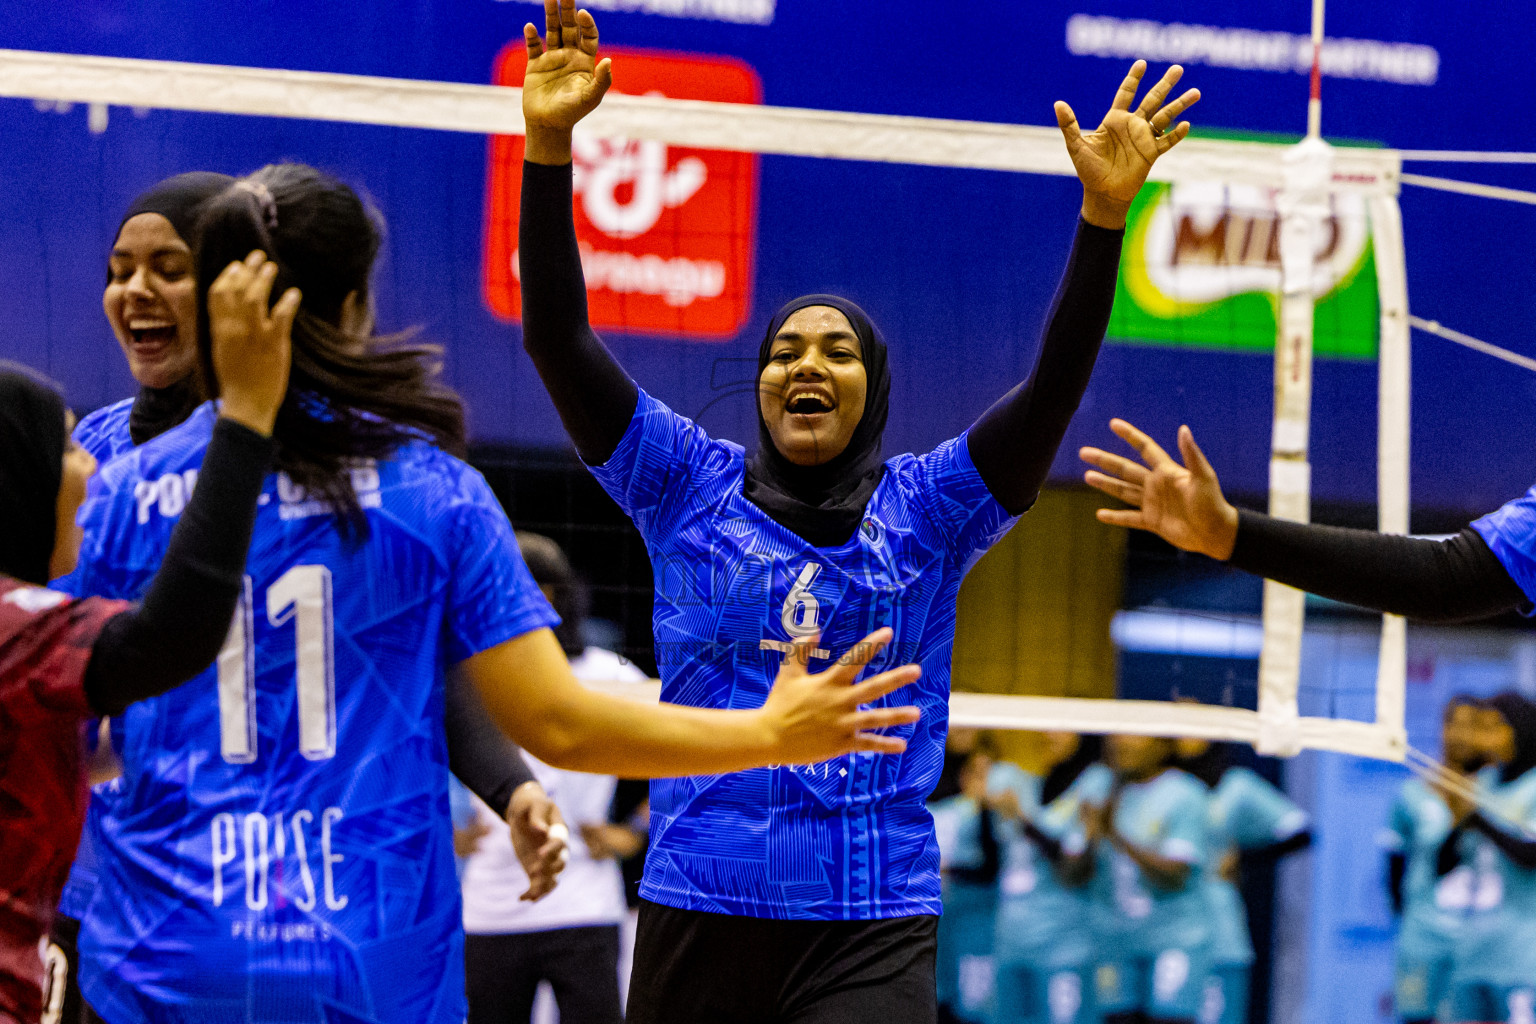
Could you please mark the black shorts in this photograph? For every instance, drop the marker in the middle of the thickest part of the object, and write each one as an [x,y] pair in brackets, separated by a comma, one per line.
[693,967]
[581,965]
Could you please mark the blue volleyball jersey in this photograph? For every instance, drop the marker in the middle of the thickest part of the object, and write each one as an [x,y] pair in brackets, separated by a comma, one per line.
[103,433]
[1245,811]
[279,849]
[1510,533]
[849,838]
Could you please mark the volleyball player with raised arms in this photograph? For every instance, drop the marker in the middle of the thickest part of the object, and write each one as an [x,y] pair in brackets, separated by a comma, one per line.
[795,894]
[282,849]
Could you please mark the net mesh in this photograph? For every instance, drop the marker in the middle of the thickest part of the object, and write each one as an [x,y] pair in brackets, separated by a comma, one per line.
[693,202]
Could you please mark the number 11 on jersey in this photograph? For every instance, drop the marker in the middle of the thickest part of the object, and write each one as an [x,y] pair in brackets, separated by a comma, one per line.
[302,595]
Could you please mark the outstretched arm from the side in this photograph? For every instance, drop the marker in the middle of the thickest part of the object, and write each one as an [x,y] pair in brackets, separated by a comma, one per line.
[530,692]
[1431,580]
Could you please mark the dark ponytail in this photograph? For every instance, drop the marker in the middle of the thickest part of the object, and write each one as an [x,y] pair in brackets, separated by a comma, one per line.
[351,395]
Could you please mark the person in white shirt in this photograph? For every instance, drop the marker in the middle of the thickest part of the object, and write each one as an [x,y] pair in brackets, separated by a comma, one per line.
[571,937]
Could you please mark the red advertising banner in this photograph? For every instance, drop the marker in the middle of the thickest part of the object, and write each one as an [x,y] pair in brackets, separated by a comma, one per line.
[666,233]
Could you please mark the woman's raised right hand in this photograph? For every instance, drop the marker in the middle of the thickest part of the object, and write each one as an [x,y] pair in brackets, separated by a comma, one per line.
[813,717]
[1181,504]
[565,81]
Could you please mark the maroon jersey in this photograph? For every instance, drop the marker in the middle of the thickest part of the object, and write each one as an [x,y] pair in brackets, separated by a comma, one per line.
[45,644]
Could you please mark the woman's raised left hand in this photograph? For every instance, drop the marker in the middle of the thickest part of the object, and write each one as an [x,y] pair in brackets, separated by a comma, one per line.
[1114,159]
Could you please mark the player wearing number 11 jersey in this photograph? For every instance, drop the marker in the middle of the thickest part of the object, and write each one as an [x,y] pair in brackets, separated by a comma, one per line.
[284,814]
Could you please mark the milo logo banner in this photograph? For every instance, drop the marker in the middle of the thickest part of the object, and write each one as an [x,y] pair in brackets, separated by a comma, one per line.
[1201,269]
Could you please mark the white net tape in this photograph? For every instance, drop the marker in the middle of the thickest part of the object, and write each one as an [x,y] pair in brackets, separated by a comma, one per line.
[1374,174]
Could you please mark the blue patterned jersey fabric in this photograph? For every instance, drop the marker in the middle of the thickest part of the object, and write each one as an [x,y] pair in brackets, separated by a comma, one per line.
[104,433]
[850,838]
[1510,533]
[279,847]
[1245,811]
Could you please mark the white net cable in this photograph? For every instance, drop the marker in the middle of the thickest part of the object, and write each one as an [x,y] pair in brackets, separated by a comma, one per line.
[1466,340]
[1464,156]
[1471,188]
[1304,176]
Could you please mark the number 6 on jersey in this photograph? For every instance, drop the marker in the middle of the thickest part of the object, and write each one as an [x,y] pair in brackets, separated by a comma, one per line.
[302,594]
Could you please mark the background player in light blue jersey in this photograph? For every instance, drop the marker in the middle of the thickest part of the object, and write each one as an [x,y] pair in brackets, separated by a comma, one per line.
[1043,945]
[1431,907]
[281,848]
[151,305]
[1143,847]
[817,534]
[1492,850]
[970,854]
[1251,824]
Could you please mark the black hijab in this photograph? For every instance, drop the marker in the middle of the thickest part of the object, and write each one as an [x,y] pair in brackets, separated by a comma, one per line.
[32,440]
[1521,716]
[824,504]
[178,199]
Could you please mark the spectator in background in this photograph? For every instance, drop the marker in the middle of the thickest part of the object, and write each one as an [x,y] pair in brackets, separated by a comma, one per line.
[1250,823]
[1141,845]
[1430,907]
[1494,973]
[969,857]
[1042,946]
[570,938]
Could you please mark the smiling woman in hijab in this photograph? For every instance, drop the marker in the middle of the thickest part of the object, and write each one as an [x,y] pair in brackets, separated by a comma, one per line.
[63,661]
[151,304]
[825,879]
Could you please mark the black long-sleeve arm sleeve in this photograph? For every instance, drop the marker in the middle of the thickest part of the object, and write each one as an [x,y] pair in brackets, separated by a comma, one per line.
[1449,854]
[1014,442]
[177,630]
[480,755]
[593,395]
[1521,849]
[1432,580]
[1258,856]
[1397,874]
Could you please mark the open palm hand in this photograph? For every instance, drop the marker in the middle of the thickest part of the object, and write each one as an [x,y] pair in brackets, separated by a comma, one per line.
[565,81]
[1181,504]
[1113,160]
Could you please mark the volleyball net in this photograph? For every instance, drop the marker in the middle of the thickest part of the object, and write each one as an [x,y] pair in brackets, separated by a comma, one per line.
[1304,252]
